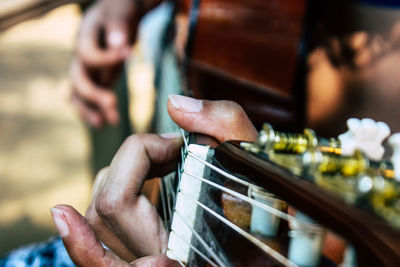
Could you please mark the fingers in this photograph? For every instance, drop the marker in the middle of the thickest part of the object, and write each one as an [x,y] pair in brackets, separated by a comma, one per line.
[160,260]
[80,240]
[95,104]
[223,120]
[119,203]
[92,49]
[91,116]
[102,231]
[84,248]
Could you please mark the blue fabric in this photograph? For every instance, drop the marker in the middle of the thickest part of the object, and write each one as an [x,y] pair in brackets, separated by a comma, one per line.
[50,253]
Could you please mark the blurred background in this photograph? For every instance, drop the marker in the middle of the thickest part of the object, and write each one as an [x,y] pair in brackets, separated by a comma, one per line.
[44,148]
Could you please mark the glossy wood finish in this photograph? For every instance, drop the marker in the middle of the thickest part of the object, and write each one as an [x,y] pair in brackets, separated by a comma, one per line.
[251,52]
[254,40]
[248,51]
[376,243]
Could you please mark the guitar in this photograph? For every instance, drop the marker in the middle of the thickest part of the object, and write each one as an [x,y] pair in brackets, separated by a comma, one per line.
[255,53]
[238,217]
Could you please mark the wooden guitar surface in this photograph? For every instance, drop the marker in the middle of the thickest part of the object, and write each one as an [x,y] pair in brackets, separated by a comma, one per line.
[377,243]
[249,52]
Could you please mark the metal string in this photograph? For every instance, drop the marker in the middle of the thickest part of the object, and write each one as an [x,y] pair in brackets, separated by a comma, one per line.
[254,202]
[195,250]
[185,141]
[224,173]
[201,240]
[169,208]
[163,204]
[277,256]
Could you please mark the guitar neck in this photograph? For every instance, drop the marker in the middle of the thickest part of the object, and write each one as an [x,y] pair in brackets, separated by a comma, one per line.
[214,217]
[377,243]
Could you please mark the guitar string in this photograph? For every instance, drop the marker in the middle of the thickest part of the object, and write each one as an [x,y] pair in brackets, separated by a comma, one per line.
[184,138]
[205,245]
[198,237]
[260,205]
[169,208]
[238,180]
[277,256]
[176,258]
[224,173]
[207,259]
[265,207]
[163,205]
[201,240]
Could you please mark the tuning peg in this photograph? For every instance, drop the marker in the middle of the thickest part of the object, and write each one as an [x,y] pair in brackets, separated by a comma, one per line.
[365,135]
[270,139]
[394,142]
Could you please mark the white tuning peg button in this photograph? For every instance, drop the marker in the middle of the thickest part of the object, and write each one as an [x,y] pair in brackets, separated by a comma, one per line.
[365,135]
[394,142]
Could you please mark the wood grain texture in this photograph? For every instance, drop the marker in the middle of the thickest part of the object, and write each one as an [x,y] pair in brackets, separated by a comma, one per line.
[248,51]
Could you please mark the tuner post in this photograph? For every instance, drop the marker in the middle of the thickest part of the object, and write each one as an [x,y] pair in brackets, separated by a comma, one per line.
[291,143]
[326,163]
[277,141]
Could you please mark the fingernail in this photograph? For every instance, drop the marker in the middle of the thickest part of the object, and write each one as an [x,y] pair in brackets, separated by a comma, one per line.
[116,38]
[185,103]
[171,135]
[59,221]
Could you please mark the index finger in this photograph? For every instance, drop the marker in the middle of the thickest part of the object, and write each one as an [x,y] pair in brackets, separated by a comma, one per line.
[131,165]
[119,202]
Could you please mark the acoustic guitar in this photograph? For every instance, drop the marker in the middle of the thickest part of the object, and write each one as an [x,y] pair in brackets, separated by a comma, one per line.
[233,205]
[230,209]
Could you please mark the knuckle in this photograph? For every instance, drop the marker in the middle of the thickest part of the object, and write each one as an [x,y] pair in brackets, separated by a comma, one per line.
[92,216]
[106,207]
[236,113]
[135,141]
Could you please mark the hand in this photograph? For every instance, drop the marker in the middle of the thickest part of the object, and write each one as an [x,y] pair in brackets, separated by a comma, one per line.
[104,42]
[119,215]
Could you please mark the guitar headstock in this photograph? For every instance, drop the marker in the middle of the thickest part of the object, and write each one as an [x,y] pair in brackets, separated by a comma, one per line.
[243,195]
[347,175]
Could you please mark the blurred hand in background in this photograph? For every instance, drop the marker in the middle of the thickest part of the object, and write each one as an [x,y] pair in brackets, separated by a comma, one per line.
[104,42]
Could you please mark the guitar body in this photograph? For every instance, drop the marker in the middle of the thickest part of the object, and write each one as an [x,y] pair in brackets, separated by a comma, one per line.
[249,52]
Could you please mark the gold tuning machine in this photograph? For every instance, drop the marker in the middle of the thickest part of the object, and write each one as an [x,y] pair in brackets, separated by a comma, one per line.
[332,164]
[347,166]
[353,174]
[292,143]
[317,154]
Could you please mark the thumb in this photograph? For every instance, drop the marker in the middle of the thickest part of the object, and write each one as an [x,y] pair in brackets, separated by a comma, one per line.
[80,240]
[223,120]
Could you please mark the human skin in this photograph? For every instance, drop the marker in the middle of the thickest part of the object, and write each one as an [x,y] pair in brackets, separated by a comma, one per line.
[119,215]
[106,35]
